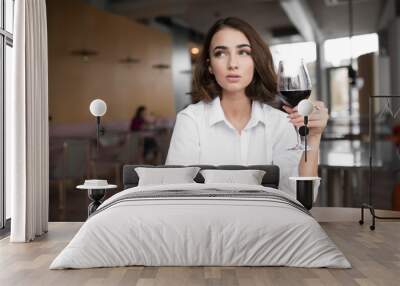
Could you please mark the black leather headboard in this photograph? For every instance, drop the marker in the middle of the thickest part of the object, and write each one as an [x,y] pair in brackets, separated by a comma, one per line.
[270,179]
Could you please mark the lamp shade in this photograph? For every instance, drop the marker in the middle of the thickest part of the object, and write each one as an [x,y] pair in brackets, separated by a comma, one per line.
[98,107]
[305,107]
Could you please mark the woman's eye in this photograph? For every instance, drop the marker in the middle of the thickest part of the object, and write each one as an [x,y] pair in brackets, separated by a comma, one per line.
[219,54]
[245,52]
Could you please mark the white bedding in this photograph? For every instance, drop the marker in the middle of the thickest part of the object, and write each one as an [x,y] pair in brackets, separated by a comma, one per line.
[200,231]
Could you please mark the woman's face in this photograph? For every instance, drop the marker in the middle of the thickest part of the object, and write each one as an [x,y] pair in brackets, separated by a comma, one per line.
[230,60]
[143,113]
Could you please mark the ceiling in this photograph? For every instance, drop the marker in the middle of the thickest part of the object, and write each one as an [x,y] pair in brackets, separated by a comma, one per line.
[269,17]
[333,20]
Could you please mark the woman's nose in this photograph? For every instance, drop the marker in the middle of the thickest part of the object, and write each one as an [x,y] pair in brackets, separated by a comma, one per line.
[232,63]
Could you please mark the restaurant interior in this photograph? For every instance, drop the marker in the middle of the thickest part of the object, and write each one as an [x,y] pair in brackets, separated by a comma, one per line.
[139,57]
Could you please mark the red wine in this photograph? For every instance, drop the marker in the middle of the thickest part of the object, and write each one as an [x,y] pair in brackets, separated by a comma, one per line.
[293,97]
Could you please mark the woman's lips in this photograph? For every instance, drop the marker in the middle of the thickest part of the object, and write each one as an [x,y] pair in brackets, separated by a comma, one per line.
[233,78]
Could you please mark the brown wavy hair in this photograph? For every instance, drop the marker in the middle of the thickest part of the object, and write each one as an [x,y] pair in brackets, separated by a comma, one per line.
[263,86]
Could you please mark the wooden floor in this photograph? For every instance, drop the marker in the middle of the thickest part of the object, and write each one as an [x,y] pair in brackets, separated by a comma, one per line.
[374,255]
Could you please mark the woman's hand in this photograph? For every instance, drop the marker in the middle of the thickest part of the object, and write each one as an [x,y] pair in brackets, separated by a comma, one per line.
[317,120]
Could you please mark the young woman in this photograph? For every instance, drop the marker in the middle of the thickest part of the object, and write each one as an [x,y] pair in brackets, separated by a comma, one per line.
[140,122]
[233,121]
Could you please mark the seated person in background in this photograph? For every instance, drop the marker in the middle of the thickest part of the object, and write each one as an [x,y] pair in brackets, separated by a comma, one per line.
[141,122]
[233,121]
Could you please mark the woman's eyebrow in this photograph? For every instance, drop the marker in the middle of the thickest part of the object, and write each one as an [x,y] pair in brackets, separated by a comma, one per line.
[238,46]
[220,47]
[243,45]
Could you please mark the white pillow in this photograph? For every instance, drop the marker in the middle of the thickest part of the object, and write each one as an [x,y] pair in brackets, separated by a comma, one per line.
[248,177]
[163,176]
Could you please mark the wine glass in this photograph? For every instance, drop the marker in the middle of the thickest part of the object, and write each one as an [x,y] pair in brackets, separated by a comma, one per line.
[294,85]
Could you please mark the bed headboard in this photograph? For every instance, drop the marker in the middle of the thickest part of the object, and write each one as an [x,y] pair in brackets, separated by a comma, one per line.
[270,179]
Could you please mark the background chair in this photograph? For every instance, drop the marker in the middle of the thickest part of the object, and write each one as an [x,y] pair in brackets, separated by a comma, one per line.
[69,165]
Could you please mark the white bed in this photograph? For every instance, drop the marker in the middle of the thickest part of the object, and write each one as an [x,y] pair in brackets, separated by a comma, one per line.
[185,230]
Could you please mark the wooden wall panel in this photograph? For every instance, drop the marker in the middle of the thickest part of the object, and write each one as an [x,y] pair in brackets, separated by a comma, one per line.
[73,83]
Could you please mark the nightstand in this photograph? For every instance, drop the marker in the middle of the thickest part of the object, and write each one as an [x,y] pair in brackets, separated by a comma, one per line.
[305,190]
[96,193]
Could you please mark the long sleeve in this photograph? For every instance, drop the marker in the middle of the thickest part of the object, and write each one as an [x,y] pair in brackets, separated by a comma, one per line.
[184,148]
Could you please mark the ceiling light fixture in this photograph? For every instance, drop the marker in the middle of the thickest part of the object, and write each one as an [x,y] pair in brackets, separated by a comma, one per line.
[160,66]
[129,60]
[194,50]
[84,53]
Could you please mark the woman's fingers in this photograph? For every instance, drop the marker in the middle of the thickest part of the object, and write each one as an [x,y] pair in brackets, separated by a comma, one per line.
[319,104]
[294,115]
[287,109]
[310,123]
[317,124]
[316,120]
[316,110]
[311,118]
[314,115]
[297,120]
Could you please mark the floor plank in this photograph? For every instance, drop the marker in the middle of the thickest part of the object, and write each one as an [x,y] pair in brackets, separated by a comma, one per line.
[375,257]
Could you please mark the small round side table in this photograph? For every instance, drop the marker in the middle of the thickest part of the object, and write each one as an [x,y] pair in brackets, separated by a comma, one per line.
[305,190]
[96,195]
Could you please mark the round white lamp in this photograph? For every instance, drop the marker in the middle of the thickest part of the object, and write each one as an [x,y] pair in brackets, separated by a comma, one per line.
[305,108]
[98,108]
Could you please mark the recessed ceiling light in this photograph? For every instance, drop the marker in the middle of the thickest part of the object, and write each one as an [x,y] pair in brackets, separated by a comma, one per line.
[194,50]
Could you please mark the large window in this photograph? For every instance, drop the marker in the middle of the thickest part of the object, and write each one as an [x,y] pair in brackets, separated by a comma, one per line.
[6,62]
[337,51]
[344,102]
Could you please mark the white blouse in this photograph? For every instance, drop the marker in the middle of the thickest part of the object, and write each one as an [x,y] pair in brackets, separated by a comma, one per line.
[202,135]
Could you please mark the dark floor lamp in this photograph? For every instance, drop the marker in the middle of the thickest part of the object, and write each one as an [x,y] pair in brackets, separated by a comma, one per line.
[98,108]
[96,188]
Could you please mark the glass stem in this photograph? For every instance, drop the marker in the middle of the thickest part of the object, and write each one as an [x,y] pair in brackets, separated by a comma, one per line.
[297,136]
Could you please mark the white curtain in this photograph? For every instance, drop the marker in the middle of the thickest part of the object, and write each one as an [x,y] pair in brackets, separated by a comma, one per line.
[27,154]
